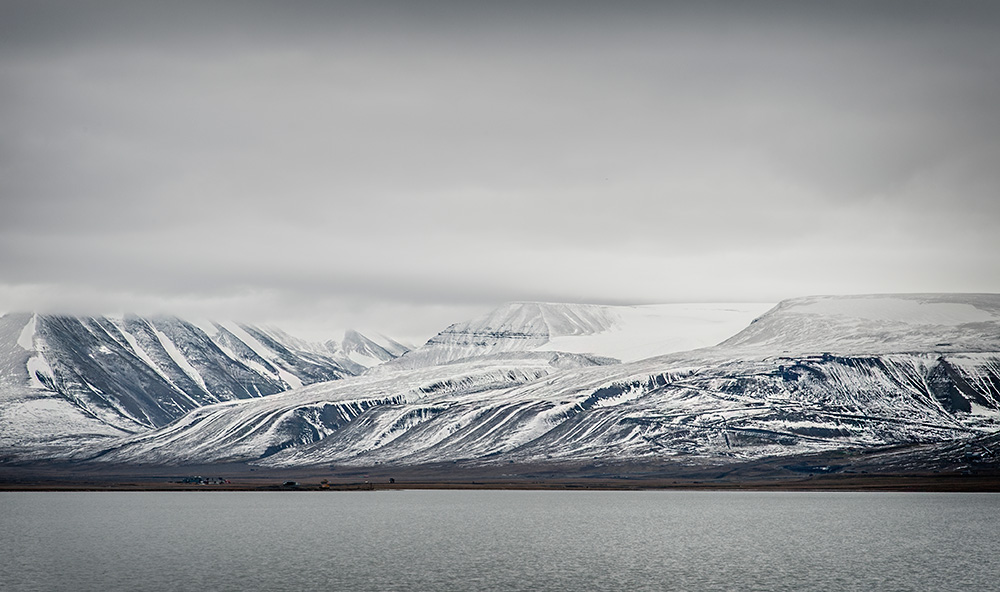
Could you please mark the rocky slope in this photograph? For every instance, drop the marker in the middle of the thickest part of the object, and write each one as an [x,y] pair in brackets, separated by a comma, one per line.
[65,378]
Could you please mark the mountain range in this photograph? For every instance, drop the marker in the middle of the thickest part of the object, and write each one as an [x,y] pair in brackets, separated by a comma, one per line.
[65,379]
[913,377]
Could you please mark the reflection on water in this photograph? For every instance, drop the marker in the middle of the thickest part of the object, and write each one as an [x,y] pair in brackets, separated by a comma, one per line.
[498,540]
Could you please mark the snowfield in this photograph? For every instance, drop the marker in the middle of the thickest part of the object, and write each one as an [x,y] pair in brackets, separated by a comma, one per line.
[639,332]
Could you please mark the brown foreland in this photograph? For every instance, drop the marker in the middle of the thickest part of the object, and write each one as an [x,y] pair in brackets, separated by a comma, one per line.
[800,474]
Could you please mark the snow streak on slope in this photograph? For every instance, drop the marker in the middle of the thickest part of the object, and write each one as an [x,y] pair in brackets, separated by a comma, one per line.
[264,353]
[137,348]
[621,332]
[178,358]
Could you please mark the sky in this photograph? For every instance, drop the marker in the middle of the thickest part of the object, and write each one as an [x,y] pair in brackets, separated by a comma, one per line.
[401,166]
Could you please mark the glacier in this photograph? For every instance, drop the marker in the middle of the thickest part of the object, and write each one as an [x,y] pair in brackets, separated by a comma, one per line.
[624,333]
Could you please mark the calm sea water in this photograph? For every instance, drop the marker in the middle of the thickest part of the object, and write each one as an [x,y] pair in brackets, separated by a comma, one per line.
[499,540]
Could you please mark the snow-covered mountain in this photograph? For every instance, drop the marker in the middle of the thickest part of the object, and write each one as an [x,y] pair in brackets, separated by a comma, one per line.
[812,375]
[369,411]
[368,352]
[625,333]
[877,323]
[67,377]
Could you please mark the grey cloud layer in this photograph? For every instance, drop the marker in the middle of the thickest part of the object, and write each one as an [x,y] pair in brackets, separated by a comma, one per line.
[440,154]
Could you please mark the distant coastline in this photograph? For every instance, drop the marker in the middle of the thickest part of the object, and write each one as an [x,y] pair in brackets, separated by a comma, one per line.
[240,477]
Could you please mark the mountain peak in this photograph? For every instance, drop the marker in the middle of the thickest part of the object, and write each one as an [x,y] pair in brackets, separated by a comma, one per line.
[368,352]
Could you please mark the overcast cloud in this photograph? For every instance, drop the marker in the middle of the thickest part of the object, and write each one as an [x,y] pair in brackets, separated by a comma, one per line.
[400,167]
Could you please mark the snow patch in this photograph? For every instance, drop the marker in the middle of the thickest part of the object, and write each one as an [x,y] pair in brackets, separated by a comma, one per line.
[625,397]
[27,337]
[977,409]
[36,365]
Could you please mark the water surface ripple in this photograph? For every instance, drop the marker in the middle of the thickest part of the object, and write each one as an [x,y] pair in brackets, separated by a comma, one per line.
[498,540]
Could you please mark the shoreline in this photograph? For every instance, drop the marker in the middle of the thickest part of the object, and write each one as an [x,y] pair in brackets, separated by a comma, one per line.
[888,483]
[826,472]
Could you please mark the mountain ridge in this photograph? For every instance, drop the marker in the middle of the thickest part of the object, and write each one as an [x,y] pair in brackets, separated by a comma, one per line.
[812,376]
[112,375]
[721,404]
